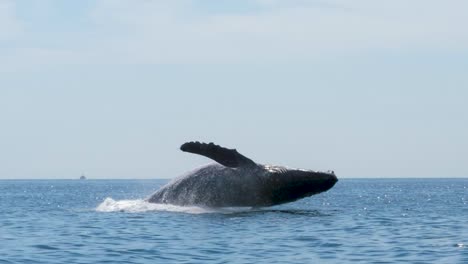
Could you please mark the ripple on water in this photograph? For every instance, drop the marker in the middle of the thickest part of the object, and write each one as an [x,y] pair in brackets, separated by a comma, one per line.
[45,247]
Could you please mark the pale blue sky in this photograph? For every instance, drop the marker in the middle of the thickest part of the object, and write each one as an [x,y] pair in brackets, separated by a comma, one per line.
[113,88]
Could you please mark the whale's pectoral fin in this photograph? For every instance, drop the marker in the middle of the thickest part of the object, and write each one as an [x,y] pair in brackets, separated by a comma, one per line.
[224,156]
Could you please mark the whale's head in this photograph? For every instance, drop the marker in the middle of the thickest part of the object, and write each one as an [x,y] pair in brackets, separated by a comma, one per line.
[285,185]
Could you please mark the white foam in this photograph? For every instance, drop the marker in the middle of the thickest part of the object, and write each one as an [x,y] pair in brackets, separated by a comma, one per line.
[139,206]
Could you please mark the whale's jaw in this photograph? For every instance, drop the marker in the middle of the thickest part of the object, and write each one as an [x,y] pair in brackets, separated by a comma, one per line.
[291,185]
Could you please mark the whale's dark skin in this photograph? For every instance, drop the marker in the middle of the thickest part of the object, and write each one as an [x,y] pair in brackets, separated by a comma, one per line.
[235,180]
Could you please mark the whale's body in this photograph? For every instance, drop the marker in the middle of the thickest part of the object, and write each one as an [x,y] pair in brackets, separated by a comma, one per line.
[237,181]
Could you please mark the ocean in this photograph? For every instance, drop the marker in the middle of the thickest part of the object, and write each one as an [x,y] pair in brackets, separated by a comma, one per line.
[358,221]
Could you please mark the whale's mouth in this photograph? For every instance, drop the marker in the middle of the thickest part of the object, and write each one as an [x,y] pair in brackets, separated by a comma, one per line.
[293,185]
[333,180]
[324,181]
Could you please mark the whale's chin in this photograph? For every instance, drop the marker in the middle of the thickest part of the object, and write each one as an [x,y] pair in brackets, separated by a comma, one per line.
[292,185]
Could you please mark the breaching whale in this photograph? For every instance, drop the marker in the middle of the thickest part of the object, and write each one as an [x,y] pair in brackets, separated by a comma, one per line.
[237,181]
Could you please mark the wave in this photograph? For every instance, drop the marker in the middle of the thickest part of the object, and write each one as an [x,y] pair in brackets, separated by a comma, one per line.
[140,205]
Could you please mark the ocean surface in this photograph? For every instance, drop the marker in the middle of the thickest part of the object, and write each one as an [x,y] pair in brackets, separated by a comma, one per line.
[359,221]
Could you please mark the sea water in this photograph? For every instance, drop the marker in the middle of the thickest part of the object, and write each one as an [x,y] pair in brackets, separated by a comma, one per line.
[359,220]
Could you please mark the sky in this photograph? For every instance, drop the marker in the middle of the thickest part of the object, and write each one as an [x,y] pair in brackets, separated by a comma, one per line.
[112,88]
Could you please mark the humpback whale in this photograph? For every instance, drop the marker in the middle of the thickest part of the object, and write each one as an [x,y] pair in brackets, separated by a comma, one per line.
[237,181]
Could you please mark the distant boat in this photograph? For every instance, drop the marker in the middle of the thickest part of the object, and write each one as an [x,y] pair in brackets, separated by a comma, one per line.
[82,177]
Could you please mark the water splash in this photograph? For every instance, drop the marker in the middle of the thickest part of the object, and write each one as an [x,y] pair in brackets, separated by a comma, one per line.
[139,206]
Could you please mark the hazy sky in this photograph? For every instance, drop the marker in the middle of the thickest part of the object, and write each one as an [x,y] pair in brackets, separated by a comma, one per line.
[112,88]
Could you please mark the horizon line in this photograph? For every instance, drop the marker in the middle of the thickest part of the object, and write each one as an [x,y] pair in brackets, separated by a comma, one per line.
[344,178]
